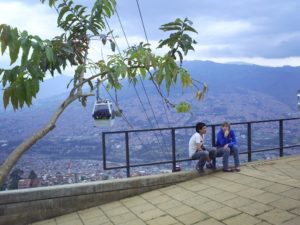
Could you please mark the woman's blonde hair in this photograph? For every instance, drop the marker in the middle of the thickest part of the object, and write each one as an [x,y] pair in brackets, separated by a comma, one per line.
[226,124]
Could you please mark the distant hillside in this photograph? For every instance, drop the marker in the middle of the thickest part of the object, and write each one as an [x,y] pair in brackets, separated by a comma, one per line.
[279,82]
[236,93]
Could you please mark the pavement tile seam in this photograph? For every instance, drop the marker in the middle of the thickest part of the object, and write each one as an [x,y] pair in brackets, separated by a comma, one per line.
[105,214]
[265,209]
[212,186]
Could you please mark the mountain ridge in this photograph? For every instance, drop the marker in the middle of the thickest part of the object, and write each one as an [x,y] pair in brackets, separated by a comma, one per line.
[236,93]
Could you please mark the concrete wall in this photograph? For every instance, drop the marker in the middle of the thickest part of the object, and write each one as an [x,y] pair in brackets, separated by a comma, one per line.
[30,205]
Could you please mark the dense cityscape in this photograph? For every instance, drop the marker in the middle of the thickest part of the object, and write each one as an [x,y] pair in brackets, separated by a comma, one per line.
[72,153]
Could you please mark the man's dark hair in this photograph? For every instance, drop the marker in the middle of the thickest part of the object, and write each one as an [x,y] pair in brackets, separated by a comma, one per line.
[199,126]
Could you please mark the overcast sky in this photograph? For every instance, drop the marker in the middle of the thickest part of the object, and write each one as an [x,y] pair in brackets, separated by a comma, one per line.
[264,32]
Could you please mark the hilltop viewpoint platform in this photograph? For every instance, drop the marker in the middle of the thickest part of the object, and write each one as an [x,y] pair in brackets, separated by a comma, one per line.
[264,192]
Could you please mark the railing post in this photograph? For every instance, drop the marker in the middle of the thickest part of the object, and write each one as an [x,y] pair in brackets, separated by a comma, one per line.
[103,150]
[213,135]
[249,141]
[280,138]
[127,154]
[173,150]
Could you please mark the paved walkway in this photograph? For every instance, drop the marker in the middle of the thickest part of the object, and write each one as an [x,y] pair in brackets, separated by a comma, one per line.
[262,193]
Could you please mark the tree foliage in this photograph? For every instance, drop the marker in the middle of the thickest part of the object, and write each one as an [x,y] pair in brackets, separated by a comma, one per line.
[38,57]
[32,58]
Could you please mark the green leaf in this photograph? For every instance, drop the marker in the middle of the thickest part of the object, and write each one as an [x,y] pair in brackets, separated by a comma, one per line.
[183,107]
[52,3]
[26,45]
[20,93]
[159,76]
[84,101]
[143,72]
[112,45]
[69,18]
[14,99]
[205,88]
[189,28]
[28,91]
[79,70]
[104,39]
[185,78]
[49,54]
[91,84]
[14,45]
[62,13]
[6,96]
[169,28]
[4,38]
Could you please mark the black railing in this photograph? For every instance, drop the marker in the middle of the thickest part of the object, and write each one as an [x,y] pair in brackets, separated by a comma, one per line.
[174,160]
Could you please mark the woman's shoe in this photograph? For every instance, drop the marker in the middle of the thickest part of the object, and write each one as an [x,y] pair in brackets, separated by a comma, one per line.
[228,170]
[237,169]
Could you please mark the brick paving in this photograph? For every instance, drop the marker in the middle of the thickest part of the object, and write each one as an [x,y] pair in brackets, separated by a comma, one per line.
[264,192]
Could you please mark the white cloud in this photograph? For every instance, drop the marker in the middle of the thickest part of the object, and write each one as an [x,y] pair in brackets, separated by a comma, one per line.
[221,29]
[231,31]
[37,19]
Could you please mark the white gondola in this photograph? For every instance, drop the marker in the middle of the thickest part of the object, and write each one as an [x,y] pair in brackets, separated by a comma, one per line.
[103,113]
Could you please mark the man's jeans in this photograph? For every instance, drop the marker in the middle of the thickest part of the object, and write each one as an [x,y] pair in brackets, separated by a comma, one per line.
[202,156]
[225,152]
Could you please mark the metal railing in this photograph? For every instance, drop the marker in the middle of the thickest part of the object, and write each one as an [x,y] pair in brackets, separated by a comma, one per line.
[172,130]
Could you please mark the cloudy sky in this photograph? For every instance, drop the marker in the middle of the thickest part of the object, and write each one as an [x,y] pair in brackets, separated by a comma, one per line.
[263,32]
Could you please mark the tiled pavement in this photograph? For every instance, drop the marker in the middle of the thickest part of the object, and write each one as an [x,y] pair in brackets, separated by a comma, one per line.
[262,193]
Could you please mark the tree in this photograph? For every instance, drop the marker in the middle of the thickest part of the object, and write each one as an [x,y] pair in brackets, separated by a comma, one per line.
[32,58]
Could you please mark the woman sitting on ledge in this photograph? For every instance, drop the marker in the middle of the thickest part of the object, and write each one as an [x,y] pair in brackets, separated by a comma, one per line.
[226,145]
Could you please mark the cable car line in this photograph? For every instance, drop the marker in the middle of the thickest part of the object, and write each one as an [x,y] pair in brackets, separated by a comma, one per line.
[122,28]
[146,36]
[120,22]
[149,120]
[139,75]
[117,105]
[126,120]
[110,30]
[138,5]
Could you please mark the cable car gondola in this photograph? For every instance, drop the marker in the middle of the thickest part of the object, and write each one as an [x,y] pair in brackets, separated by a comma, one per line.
[103,113]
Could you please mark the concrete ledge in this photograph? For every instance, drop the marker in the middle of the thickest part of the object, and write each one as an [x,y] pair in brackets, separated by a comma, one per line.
[30,205]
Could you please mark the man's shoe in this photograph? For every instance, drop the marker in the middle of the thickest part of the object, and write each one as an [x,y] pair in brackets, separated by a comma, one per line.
[228,170]
[199,169]
[210,166]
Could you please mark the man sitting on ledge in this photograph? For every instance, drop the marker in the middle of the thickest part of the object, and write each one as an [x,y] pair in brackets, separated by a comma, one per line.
[197,149]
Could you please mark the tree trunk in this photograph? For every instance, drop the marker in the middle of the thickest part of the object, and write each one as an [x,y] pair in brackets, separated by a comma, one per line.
[13,157]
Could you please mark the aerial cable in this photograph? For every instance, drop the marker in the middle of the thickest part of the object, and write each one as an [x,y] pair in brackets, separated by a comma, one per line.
[125,118]
[140,80]
[151,109]
[113,37]
[148,99]
[165,110]
[146,36]
[120,22]
[122,28]
[145,111]
[138,5]
[139,75]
